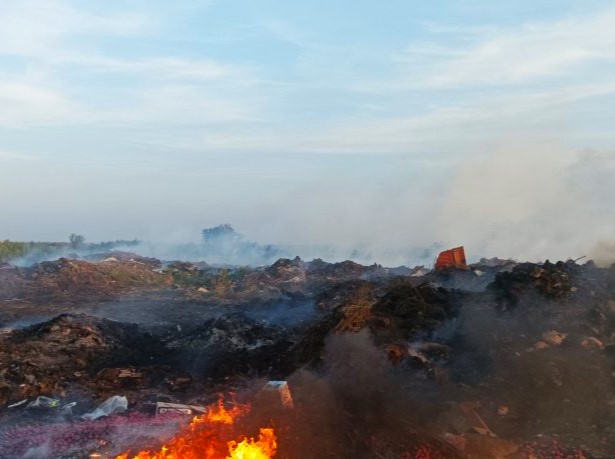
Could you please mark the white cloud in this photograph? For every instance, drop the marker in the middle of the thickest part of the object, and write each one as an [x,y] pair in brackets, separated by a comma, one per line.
[45,34]
[203,103]
[158,67]
[512,55]
[176,105]
[17,157]
[23,104]
[41,28]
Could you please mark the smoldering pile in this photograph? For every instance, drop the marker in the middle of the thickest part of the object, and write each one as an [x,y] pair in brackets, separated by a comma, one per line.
[519,364]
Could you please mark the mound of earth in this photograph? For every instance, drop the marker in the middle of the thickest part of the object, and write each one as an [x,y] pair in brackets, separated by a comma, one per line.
[48,358]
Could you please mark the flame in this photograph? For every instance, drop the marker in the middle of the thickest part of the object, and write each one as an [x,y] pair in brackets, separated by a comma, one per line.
[264,448]
[202,439]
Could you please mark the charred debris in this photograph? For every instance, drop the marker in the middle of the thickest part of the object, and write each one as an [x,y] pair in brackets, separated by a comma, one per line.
[494,359]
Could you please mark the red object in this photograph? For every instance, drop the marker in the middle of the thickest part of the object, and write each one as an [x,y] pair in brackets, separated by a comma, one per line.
[452,258]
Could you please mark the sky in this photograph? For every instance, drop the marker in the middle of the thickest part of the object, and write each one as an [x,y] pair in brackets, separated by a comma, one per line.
[389,124]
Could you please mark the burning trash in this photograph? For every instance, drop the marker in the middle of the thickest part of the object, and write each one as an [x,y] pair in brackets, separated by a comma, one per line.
[209,436]
[352,360]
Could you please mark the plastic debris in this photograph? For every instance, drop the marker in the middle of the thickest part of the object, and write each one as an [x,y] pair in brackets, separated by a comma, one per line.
[452,258]
[44,402]
[115,404]
[15,405]
[281,387]
[164,408]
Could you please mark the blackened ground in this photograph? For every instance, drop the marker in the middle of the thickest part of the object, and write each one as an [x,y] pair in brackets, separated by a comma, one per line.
[533,353]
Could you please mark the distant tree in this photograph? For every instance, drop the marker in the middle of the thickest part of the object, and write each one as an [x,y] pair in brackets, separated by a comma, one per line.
[218,233]
[76,240]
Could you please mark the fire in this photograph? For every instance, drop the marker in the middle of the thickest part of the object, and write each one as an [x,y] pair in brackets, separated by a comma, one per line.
[203,439]
[264,448]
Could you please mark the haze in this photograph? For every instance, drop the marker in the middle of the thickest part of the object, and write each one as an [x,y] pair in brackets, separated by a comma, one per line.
[396,124]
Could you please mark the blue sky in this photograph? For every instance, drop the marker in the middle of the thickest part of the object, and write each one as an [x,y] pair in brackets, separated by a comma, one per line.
[309,122]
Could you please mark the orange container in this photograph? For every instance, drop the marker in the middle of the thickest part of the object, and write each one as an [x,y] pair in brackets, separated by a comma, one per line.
[452,258]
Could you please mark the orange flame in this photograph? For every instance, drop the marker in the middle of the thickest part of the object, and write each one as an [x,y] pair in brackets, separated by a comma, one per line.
[203,439]
[264,448]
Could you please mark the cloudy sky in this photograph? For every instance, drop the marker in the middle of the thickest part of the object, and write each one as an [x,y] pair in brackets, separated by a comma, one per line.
[384,123]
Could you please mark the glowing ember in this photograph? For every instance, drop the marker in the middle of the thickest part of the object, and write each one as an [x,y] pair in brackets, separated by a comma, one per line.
[203,439]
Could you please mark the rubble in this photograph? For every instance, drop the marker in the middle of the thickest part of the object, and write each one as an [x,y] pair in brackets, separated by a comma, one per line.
[455,338]
[76,281]
[232,344]
[554,338]
[551,281]
[50,358]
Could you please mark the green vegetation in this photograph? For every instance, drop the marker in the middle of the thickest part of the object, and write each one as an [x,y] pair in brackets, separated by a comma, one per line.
[11,250]
[194,279]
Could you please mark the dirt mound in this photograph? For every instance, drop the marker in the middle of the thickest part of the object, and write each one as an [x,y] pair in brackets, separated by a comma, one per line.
[12,282]
[47,358]
[406,310]
[232,345]
[550,281]
[314,277]
[395,312]
[120,256]
[76,281]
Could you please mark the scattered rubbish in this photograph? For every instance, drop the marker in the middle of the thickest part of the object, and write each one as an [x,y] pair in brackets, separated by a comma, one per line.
[538,346]
[455,326]
[281,387]
[44,402]
[496,262]
[419,271]
[452,258]
[15,405]
[115,404]
[164,408]
[129,373]
[553,337]
[592,342]
[463,418]
[68,408]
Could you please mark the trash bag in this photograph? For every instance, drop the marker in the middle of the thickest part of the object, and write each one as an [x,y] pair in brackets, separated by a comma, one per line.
[115,404]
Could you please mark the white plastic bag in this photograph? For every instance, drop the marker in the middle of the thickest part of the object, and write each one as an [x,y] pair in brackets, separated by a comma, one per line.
[115,404]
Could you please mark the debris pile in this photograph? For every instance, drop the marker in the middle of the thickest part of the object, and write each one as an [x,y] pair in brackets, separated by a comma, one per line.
[77,281]
[56,357]
[494,360]
[551,281]
[230,345]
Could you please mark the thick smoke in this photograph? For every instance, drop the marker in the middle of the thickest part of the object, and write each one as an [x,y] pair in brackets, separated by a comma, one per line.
[353,399]
[523,200]
[603,253]
[530,202]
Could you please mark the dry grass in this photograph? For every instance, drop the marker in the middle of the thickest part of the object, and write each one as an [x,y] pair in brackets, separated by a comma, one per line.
[357,312]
